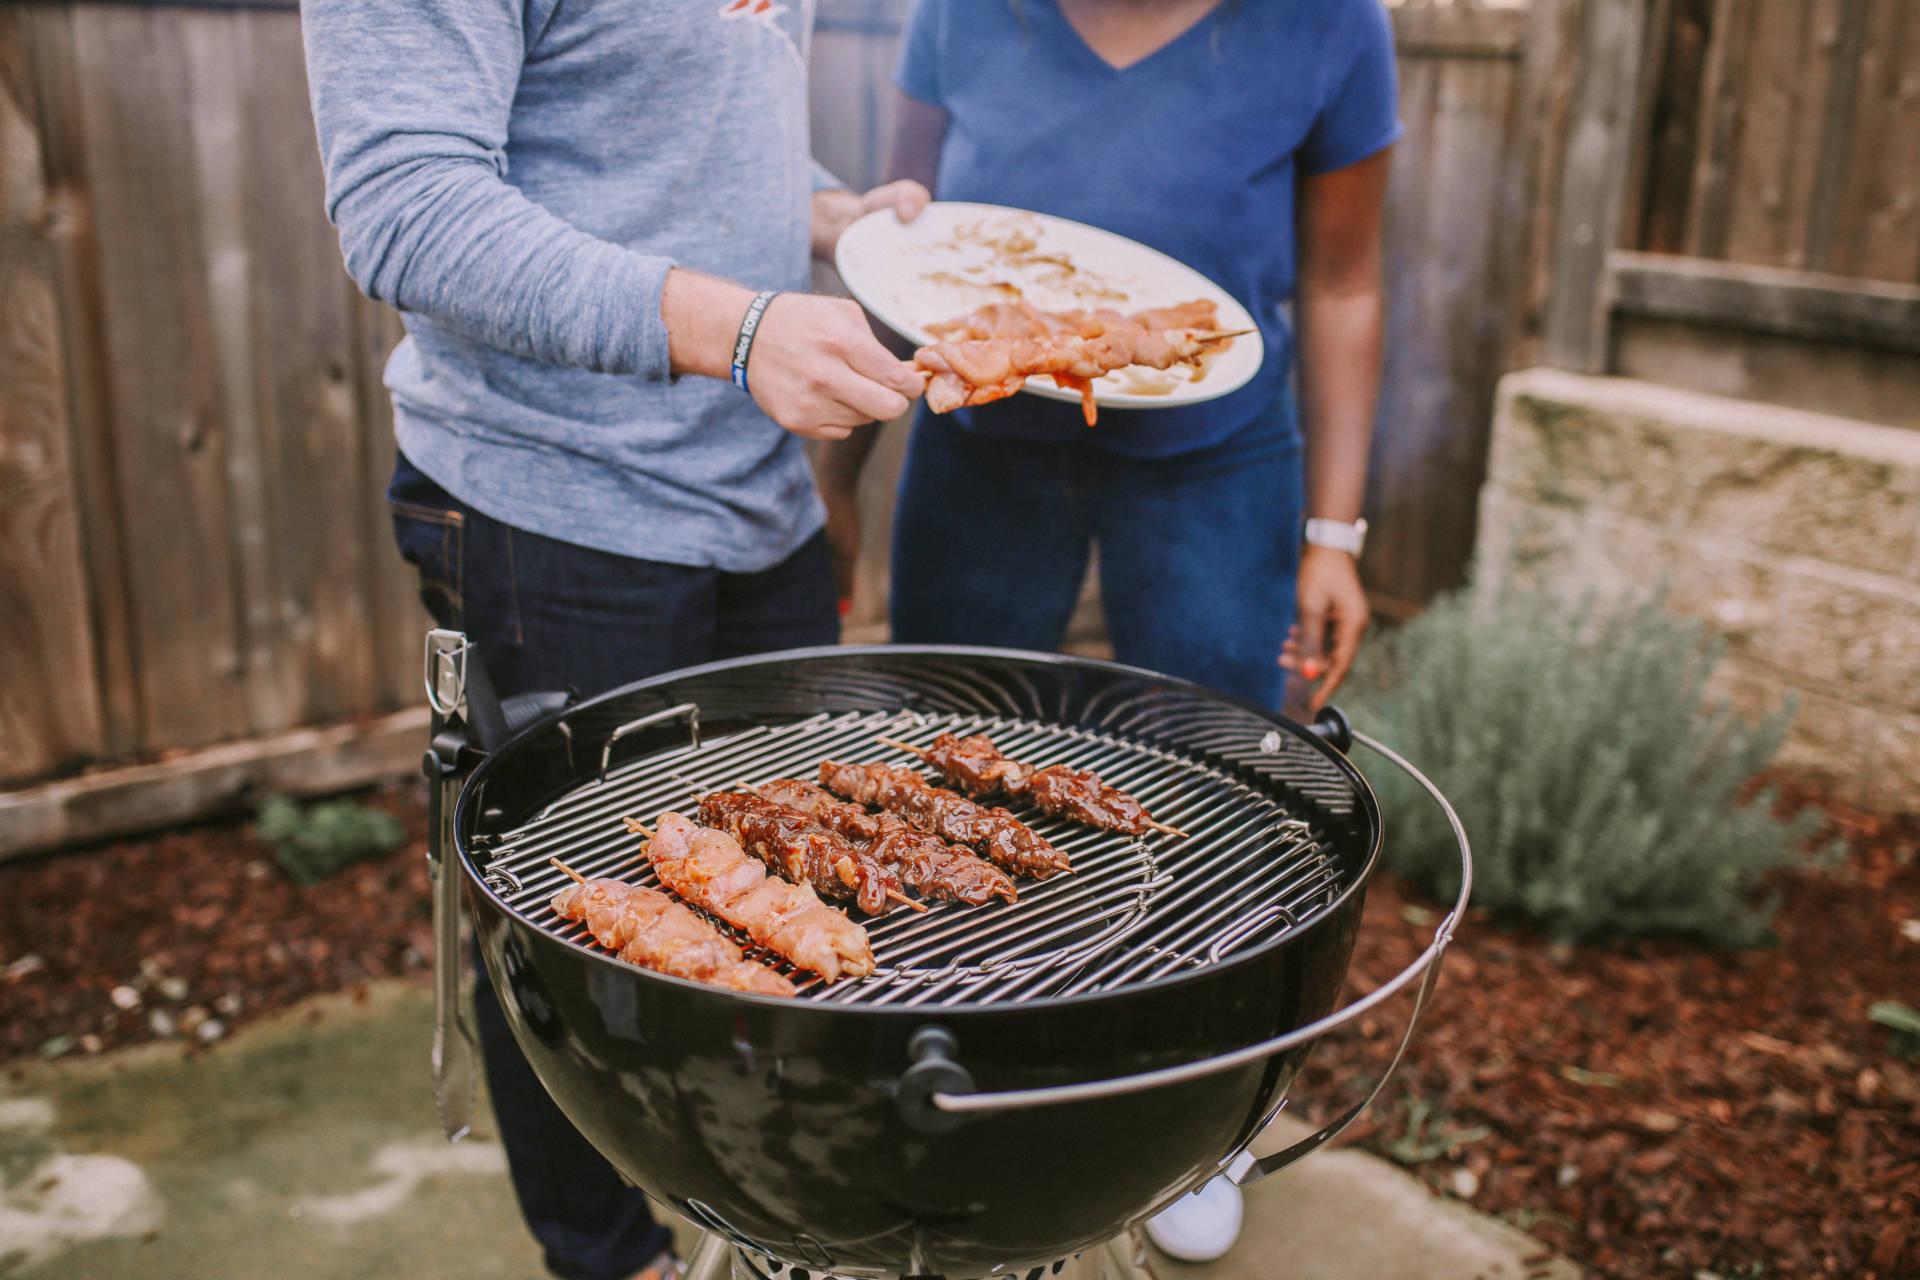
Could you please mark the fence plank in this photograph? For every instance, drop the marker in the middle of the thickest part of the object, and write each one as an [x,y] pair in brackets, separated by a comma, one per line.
[1602,130]
[1775,300]
[1450,297]
[169,446]
[1876,231]
[304,344]
[1783,91]
[42,44]
[50,714]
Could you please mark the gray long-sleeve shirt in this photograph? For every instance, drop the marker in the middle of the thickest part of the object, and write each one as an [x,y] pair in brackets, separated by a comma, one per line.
[517,177]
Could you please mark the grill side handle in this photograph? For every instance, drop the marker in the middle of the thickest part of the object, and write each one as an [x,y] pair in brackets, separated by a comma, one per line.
[1425,969]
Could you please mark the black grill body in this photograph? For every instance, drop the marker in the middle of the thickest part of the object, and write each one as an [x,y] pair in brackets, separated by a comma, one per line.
[796,1127]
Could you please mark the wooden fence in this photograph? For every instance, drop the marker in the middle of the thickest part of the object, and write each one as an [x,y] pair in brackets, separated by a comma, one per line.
[1733,202]
[193,434]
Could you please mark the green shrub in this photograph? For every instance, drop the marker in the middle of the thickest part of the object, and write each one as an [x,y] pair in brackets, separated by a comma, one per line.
[1904,1023]
[314,843]
[1602,794]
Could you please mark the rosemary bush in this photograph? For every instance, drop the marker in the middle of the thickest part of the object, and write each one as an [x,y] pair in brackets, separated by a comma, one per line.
[1602,793]
[312,844]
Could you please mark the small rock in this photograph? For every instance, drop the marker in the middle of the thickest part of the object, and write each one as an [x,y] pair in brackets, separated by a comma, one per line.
[1463,1183]
[1566,1175]
[150,969]
[1659,1121]
[92,1043]
[173,988]
[26,966]
[56,1046]
[160,1022]
[230,1003]
[124,997]
[258,870]
[192,1016]
[210,1030]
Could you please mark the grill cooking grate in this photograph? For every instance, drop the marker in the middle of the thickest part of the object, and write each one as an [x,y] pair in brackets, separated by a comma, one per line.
[1133,909]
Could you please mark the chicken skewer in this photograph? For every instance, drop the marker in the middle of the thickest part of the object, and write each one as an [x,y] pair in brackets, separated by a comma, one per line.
[979,768]
[804,852]
[1021,319]
[926,863]
[709,869]
[647,928]
[980,370]
[992,832]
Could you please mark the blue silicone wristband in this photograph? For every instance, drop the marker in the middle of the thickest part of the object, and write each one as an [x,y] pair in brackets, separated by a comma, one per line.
[743,344]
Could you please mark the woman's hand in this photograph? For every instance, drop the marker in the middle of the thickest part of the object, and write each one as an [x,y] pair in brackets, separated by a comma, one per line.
[835,211]
[1333,613]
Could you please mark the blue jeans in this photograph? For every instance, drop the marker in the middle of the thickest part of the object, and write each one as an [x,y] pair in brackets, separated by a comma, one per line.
[551,615]
[1198,551]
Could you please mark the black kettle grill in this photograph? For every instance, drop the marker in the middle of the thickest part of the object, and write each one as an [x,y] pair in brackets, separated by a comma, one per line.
[1019,1082]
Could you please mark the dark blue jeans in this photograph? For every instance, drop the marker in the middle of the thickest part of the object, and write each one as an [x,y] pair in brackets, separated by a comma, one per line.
[550,615]
[1198,552]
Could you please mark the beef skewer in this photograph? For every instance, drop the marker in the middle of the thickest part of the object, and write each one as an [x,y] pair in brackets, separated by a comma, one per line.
[803,851]
[994,833]
[647,928]
[926,863]
[979,768]
[709,869]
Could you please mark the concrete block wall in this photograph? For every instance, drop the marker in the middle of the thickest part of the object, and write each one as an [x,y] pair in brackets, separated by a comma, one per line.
[1795,535]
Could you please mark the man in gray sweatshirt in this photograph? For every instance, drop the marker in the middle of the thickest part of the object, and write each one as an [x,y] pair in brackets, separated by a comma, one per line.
[579,210]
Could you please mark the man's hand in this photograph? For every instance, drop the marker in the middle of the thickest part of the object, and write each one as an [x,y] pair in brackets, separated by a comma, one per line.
[818,371]
[835,211]
[815,367]
[1333,613]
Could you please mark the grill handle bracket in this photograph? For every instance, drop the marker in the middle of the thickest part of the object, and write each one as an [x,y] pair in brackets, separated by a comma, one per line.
[1425,969]
[933,1075]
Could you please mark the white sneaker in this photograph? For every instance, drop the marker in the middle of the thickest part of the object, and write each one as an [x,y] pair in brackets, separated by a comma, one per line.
[1199,1227]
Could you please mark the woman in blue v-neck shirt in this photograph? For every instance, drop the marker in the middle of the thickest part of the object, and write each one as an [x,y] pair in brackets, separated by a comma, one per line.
[1248,139]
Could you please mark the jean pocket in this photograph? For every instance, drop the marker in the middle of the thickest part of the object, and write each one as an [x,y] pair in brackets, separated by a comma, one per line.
[433,540]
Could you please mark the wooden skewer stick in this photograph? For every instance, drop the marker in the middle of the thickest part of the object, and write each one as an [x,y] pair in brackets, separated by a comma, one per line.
[1164,828]
[902,898]
[577,877]
[638,828]
[1222,337]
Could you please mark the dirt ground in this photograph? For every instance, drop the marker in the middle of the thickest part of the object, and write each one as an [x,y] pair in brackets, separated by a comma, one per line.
[1648,1109]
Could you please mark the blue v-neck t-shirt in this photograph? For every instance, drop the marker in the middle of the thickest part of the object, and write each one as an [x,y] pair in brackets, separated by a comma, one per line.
[1194,150]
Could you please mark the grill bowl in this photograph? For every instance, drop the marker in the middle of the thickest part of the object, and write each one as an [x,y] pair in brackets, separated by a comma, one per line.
[783,1124]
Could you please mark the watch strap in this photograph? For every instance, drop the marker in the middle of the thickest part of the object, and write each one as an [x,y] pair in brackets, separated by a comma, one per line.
[1337,534]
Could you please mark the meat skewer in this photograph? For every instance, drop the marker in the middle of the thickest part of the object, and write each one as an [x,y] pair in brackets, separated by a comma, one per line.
[980,370]
[994,833]
[647,928]
[926,863]
[709,869]
[979,768]
[1021,319]
[803,851]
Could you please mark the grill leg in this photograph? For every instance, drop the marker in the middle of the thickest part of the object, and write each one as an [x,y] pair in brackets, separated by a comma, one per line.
[710,1259]
[1125,1257]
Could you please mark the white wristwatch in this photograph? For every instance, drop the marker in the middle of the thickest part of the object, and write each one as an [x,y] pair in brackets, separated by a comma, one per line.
[1337,534]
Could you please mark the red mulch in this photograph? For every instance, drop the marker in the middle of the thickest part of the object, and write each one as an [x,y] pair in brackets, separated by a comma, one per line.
[1650,1109]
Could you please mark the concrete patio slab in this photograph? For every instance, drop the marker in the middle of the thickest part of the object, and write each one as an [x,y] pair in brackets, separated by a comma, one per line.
[306,1148]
